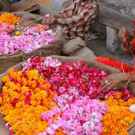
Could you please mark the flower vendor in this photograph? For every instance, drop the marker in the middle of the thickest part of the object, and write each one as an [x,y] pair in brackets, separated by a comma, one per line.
[76,18]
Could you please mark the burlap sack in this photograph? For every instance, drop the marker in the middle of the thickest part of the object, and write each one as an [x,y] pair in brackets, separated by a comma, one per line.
[90,62]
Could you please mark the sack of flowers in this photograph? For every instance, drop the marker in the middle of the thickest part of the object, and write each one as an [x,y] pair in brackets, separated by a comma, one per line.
[63,96]
[33,40]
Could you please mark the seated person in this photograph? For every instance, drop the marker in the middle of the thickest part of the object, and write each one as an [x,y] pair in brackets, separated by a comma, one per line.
[76,18]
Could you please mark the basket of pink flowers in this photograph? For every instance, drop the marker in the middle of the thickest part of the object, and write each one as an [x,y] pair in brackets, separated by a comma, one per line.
[19,41]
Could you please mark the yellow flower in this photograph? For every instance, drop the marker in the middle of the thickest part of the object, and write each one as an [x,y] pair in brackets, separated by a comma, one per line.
[17,33]
[34,96]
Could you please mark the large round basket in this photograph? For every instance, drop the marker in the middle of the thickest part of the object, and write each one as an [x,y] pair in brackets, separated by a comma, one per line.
[109,69]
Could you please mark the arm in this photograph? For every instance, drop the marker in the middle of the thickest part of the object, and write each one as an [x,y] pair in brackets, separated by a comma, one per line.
[115,79]
[68,20]
[70,7]
[64,11]
[85,14]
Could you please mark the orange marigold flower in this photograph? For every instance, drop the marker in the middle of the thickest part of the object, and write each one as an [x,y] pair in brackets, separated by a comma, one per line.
[9,18]
[25,95]
[118,118]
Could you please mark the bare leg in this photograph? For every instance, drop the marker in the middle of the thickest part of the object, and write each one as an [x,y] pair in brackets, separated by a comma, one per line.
[73,45]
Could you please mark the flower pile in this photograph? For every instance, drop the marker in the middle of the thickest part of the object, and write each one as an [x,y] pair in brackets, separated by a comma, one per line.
[30,39]
[118,118]
[50,97]
[9,18]
[80,117]
[68,74]
[24,97]
[6,28]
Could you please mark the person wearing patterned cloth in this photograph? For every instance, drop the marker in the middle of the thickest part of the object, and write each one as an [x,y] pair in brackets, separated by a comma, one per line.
[76,18]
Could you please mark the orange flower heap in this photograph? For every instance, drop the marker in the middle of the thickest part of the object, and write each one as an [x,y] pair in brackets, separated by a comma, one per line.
[25,95]
[9,18]
[118,118]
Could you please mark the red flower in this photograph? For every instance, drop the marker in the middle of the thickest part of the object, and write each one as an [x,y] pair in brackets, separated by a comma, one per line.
[28,98]
[36,59]
[14,102]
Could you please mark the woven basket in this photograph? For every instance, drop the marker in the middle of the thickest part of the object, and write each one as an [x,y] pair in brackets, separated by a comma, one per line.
[7,61]
[28,19]
[108,69]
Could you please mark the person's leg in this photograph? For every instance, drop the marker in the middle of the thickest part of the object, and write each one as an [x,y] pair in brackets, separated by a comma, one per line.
[71,46]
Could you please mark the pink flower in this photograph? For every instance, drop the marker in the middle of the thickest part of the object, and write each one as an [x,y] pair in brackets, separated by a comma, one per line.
[28,41]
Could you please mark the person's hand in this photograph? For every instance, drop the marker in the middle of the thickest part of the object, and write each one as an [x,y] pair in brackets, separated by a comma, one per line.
[114,80]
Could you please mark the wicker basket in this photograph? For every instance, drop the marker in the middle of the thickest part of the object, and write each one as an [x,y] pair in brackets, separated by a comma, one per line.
[28,19]
[108,69]
[7,61]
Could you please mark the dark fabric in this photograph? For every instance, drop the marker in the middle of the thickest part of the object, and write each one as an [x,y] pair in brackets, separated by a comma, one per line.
[76,18]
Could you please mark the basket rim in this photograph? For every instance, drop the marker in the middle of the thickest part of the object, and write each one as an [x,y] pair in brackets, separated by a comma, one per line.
[21,53]
[92,63]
